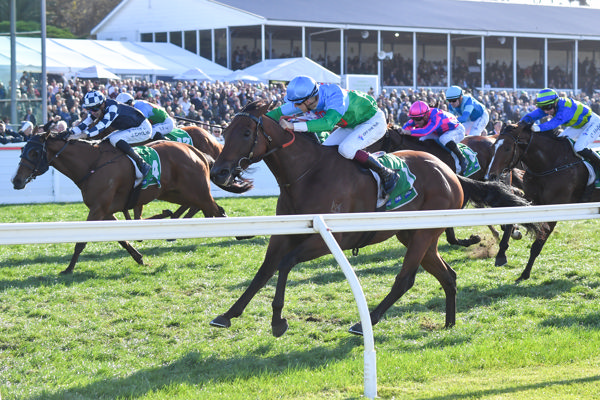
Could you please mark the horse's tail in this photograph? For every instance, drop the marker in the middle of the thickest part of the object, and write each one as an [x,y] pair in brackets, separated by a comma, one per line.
[496,194]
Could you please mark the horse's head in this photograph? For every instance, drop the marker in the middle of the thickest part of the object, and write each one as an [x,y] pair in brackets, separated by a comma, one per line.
[33,160]
[509,149]
[246,142]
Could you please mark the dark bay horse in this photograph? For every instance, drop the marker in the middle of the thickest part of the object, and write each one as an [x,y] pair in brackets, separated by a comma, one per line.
[207,144]
[554,173]
[315,179]
[106,176]
[394,140]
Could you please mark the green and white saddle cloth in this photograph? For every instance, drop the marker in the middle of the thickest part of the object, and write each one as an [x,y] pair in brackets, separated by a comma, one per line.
[179,135]
[149,155]
[471,157]
[404,192]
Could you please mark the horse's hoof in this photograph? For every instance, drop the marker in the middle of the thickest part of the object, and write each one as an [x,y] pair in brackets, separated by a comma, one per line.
[522,278]
[279,328]
[516,235]
[243,237]
[501,261]
[356,329]
[66,272]
[170,240]
[221,322]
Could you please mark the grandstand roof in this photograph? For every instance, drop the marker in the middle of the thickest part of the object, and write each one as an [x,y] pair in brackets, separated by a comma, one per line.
[456,16]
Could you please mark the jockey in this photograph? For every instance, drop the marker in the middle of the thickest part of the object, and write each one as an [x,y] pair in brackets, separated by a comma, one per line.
[129,123]
[435,124]
[582,124]
[470,112]
[353,116]
[162,123]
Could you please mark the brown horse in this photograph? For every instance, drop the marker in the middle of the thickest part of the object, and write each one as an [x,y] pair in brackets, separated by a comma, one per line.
[315,179]
[207,144]
[394,140]
[106,176]
[554,174]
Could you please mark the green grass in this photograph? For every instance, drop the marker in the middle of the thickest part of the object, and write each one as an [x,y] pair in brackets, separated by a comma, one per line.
[117,330]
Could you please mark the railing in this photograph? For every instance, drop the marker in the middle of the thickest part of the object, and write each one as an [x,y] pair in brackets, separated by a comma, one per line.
[325,224]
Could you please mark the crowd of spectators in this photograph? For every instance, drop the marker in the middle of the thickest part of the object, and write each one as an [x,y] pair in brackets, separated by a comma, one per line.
[215,104]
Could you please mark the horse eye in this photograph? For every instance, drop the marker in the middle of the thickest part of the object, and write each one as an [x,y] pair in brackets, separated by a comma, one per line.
[248,132]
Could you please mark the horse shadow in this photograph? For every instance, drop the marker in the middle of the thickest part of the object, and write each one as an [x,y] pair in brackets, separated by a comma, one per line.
[197,370]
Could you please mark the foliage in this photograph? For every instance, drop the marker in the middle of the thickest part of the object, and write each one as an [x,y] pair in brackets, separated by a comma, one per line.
[30,26]
[75,16]
[117,330]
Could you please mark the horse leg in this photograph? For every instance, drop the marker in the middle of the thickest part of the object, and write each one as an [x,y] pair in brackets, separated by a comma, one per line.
[78,249]
[278,246]
[125,244]
[503,245]
[417,244]
[536,249]
[310,249]
[452,239]
[495,233]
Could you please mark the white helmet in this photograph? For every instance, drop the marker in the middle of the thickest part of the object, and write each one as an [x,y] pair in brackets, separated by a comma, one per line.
[93,99]
[124,98]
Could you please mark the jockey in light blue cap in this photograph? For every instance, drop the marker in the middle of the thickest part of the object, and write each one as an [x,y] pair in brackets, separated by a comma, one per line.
[470,112]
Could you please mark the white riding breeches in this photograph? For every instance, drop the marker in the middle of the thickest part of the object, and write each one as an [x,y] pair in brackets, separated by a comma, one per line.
[350,140]
[477,127]
[165,127]
[456,135]
[137,134]
[585,136]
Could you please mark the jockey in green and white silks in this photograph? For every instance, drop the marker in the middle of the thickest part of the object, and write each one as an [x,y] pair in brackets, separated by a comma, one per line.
[582,124]
[162,123]
[353,117]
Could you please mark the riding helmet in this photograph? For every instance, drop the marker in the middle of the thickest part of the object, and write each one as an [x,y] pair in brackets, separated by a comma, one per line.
[125,98]
[300,89]
[419,109]
[546,97]
[453,92]
[93,99]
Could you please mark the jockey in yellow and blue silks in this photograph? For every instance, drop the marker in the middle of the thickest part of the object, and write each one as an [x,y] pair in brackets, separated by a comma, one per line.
[582,124]
[162,123]
[470,112]
[353,117]
[438,125]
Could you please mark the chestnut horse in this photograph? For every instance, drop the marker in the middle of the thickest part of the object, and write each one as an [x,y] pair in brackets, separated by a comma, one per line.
[483,146]
[106,176]
[315,179]
[554,174]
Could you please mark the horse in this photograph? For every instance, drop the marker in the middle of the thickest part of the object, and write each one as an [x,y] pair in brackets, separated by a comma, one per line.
[207,144]
[315,179]
[555,174]
[483,146]
[106,177]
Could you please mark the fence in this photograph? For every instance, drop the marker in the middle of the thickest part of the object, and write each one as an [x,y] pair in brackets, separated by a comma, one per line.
[59,232]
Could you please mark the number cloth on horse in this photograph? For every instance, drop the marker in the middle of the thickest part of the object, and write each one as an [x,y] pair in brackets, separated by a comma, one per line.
[151,157]
[404,192]
[179,135]
[471,157]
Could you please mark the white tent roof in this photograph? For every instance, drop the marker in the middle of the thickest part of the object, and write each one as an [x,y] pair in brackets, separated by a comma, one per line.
[193,74]
[285,69]
[95,71]
[67,56]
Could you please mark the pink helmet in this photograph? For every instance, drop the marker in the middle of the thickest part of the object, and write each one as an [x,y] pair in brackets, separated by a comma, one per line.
[419,109]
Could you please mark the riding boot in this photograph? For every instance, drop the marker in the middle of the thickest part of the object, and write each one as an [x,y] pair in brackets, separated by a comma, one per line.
[389,177]
[590,156]
[158,136]
[125,147]
[461,159]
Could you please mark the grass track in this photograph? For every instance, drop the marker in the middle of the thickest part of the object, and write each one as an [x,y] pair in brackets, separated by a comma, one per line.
[117,330]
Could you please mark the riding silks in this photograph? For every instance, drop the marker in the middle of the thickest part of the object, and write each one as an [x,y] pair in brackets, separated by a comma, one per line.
[404,192]
[179,135]
[149,155]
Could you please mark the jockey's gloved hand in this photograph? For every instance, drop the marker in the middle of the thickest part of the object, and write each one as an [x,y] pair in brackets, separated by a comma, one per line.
[64,135]
[535,128]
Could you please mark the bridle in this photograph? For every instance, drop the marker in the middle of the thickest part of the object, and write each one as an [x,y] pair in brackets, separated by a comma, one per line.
[250,158]
[39,166]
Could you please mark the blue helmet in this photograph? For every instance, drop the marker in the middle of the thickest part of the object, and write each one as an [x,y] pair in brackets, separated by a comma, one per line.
[453,92]
[301,88]
[93,99]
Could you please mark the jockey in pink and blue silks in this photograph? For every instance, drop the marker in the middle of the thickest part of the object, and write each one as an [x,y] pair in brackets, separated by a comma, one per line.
[438,125]
[353,117]
[469,112]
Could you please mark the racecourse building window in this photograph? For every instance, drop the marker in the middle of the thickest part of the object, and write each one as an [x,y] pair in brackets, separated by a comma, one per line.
[146,37]
[176,38]
[160,37]
[189,40]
